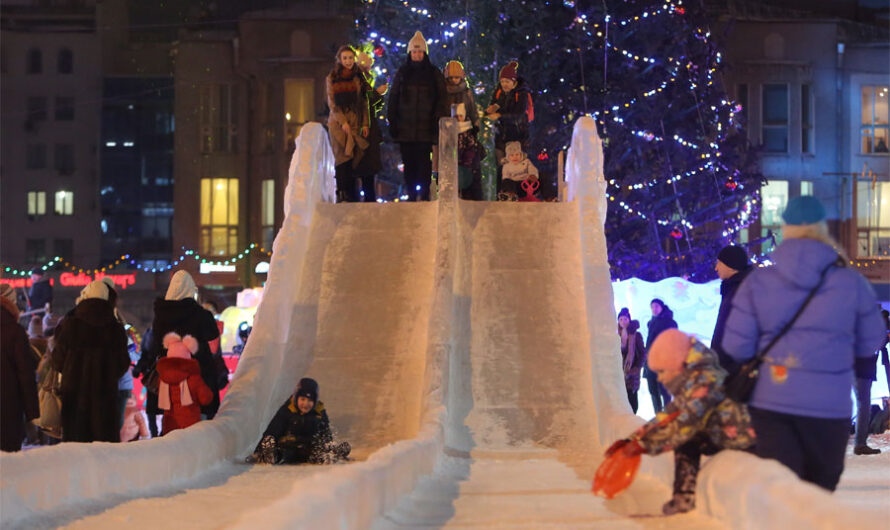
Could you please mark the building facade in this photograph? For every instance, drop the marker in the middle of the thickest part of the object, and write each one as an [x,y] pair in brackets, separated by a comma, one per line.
[51,107]
[242,96]
[815,98]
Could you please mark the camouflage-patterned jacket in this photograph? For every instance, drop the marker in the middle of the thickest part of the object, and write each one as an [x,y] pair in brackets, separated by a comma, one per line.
[699,405]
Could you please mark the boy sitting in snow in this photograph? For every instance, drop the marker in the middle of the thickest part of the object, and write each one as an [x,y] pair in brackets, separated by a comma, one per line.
[700,420]
[517,168]
[300,432]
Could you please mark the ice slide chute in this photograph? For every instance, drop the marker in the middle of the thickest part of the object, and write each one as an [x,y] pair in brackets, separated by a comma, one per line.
[462,348]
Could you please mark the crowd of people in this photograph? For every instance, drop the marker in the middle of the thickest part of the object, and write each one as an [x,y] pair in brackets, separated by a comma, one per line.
[805,332]
[419,95]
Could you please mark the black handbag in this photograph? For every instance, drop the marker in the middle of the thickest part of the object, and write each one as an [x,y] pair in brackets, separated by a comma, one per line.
[739,386]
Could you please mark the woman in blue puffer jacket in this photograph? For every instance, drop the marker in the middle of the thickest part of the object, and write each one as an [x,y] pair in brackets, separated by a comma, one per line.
[801,404]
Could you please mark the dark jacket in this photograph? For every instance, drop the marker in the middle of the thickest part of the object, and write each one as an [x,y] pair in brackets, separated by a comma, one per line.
[728,287]
[177,372]
[40,294]
[632,376]
[301,437]
[18,379]
[90,350]
[512,126]
[371,163]
[417,99]
[185,317]
[662,322]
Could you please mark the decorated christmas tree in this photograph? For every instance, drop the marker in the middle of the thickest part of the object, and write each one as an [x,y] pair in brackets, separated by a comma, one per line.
[683,179]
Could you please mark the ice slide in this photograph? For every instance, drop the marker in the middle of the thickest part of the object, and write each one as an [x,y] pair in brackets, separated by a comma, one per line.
[466,350]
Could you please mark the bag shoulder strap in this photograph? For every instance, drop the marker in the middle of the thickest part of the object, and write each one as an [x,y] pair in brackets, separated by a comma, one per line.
[762,355]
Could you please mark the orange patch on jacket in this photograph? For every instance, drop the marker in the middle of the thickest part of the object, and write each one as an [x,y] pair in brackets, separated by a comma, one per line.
[779,373]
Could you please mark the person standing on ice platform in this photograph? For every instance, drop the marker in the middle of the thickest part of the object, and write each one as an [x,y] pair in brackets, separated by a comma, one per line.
[348,122]
[417,99]
[801,405]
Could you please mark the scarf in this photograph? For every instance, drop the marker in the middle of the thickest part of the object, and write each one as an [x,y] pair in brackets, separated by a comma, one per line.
[185,397]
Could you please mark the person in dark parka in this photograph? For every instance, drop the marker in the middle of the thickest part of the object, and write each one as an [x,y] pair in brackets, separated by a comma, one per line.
[18,384]
[90,351]
[732,267]
[41,292]
[662,319]
[417,99]
[179,312]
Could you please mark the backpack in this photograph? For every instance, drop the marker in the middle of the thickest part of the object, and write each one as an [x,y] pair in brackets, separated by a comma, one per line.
[529,108]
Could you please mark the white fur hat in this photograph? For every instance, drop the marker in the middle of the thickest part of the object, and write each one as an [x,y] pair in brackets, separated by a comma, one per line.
[95,289]
[418,42]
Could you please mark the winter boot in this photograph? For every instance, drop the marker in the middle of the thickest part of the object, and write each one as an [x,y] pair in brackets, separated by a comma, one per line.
[865,450]
[680,503]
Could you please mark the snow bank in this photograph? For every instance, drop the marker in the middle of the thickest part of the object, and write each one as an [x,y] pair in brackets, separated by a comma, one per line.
[72,473]
[747,492]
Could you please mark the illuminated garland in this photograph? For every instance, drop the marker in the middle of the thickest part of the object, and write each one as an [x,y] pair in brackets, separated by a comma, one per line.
[61,263]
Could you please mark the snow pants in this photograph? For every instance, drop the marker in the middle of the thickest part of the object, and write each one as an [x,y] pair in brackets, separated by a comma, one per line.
[687,461]
[814,448]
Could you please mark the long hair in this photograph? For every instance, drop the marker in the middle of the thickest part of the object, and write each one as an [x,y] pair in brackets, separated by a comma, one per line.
[816,231]
[338,65]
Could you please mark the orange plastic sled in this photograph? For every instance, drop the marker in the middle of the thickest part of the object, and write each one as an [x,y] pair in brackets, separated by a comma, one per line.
[615,474]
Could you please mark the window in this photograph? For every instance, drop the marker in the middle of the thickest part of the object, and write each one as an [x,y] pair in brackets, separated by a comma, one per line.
[64,158]
[36,108]
[775,118]
[65,63]
[299,108]
[64,108]
[873,219]
[807,110]
[34,62]
[35,251]
[63,248]
[774,198]
[874,120]
[219,115]
[35,156]
[806,187]
[267,212]
[36,203]
[64,203]
[219,216]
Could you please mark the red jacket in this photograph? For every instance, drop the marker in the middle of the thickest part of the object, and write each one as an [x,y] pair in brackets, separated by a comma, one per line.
[176,371]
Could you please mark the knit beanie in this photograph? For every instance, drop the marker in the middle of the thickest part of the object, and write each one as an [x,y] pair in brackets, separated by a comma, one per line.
[454,69]
[669,350]
[180,347]
[308,388]
[182,286]
[734,257]
[418,42]
[804,210]
[509,71]
[624,312]
[7,291]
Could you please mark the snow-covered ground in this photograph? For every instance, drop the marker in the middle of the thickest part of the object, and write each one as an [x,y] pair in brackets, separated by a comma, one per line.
[467,350]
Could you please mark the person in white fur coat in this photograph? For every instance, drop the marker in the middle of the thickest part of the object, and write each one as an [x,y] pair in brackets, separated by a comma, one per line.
[181,391]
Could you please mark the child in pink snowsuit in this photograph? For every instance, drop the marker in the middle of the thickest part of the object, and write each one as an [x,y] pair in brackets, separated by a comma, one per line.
[182,391]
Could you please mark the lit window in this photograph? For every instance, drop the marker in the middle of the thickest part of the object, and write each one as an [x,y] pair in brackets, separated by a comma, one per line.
[874,119]
[219,216]
[36,203]
[219,118]
[774,198]
[873,219]
[267,211]
[807,111]
[806,187]
[299,108]
[775,118]
[64,203]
